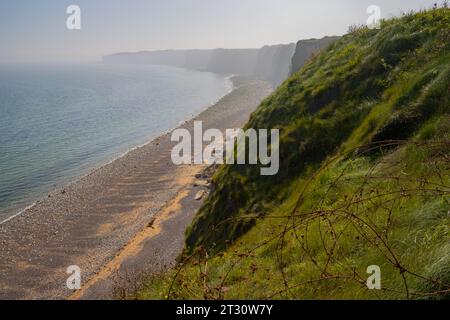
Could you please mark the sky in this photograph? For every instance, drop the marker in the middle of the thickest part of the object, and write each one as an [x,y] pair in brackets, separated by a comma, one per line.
[35,30]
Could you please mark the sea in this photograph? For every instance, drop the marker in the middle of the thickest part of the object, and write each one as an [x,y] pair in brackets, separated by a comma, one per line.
[59,122]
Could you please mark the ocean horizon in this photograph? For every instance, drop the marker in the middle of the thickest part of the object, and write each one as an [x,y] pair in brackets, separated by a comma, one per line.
[60,122]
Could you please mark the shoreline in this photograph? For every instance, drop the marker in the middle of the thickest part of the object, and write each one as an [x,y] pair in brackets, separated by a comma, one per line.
[229,84]
[91,220]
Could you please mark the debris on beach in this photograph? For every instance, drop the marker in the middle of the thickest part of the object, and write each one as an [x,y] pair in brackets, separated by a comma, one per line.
[200,195]
[202,183]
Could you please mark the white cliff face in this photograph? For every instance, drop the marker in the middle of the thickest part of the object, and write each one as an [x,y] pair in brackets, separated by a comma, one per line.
[273,64]
[270,63]
[306,48]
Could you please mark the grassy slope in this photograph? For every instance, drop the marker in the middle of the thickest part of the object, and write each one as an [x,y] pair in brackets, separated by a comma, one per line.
[364,180]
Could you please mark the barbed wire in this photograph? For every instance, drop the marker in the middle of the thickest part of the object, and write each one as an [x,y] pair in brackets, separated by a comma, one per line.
[349,213]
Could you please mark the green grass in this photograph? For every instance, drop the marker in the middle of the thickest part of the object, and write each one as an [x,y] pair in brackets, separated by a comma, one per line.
[345,197]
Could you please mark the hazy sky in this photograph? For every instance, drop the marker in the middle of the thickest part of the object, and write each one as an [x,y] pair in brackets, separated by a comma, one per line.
[35,30]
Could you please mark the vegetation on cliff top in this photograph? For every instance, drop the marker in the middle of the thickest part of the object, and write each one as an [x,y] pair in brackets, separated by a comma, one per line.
[364,180]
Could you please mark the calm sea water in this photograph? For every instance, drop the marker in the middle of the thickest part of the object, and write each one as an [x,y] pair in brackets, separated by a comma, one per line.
[58,123]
